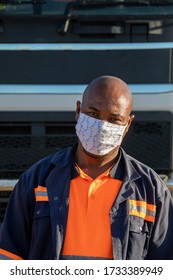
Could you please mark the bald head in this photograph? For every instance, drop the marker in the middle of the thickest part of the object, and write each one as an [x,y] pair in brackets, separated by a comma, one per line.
[111,90]
[109,99]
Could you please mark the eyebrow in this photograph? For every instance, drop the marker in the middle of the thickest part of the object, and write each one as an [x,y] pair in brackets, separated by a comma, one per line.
[93,108]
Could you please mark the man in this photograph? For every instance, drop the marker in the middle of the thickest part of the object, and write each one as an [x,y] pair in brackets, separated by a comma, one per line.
[92,200]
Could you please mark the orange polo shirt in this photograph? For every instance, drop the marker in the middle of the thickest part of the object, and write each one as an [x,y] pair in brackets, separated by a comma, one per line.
[88,232]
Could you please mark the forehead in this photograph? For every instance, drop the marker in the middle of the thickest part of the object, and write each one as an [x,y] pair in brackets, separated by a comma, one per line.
[107,100]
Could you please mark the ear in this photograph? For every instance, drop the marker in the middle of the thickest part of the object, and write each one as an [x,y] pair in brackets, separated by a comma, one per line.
[131,119]
[78,108]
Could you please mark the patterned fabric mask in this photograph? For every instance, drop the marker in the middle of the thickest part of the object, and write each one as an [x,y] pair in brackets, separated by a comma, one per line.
[98,137]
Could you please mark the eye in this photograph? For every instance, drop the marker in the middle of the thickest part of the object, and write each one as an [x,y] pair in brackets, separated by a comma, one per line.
[93,114]
[112,120]
[116,121]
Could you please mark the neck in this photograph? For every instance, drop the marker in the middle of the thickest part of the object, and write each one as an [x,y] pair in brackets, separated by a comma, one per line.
[95,165]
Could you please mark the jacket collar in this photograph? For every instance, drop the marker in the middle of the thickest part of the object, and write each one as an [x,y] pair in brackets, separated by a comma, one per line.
[130,171]
[64,157]
[124,165]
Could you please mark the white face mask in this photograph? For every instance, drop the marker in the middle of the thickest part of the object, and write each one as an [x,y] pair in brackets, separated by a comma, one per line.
[98,137]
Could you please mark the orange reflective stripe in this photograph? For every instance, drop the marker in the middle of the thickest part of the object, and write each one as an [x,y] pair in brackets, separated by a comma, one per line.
[142,215]
[137,213]
[41,188]
[151,207]
[142,209]
[6,255]
[41,193]
[42,198]
[148,206]
[149,218]
[138,202]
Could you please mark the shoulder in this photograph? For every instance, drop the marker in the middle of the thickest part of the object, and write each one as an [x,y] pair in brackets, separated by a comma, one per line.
[59,158]
[40,170]
[133,164]
[145,175]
